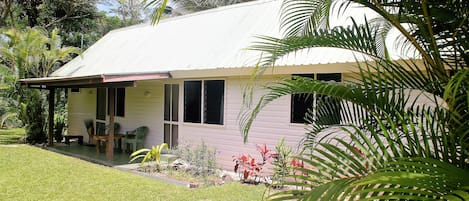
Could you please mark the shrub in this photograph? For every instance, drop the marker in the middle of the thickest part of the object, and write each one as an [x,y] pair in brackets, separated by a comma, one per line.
[248,169]
[201,159]
[59,122]
[32,115]
[148,155]
[282,161]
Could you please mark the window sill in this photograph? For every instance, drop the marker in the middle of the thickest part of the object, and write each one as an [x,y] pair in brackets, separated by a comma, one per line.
[297,125]
[203,125]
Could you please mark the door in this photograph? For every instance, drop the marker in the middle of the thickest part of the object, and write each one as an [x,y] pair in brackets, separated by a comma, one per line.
[171,114]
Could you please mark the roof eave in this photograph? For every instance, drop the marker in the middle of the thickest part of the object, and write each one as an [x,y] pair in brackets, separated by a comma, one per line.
[91,81]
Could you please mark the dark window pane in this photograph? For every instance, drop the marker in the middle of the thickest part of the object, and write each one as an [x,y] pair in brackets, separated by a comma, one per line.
[213,101]
[175,103]
[174,136]
[120,102]
[328,108]
[101,103]
[167,134]
[337,77]
[300,103]
[75,90]
[167,101]
[192,101]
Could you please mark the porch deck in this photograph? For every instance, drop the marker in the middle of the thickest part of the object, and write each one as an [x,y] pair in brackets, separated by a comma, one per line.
[88,153]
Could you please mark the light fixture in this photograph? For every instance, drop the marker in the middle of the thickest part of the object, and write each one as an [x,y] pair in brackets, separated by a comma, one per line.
[147,93]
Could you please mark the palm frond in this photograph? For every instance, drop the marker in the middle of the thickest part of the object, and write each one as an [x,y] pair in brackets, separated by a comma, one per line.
[387,159]
[303,17]
[356,38]
[158,6]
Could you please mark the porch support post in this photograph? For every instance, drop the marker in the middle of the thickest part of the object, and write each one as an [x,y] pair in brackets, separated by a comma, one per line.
[51,116]
[110,141]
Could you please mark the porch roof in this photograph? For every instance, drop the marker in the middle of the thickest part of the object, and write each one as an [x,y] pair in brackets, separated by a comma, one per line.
[92,81]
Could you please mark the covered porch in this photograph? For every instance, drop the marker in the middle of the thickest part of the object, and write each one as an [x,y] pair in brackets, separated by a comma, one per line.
[103,131]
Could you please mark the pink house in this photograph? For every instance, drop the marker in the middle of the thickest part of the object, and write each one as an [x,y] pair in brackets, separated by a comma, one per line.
[184,79]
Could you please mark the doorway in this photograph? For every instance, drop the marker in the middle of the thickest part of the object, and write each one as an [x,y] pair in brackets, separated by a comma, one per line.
[171,114]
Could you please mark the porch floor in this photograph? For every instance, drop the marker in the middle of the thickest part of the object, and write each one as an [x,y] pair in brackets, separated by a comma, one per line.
[88,153]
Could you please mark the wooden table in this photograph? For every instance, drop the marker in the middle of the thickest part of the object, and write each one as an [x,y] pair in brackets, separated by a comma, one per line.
[104,138]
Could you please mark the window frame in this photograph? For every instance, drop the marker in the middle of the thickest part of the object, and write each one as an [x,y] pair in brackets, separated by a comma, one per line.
[202,97]
[314,100]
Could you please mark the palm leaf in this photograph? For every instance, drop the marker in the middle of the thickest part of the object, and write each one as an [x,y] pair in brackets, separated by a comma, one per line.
[357,38]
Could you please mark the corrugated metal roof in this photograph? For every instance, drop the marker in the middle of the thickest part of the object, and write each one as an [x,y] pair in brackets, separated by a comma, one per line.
[206,40]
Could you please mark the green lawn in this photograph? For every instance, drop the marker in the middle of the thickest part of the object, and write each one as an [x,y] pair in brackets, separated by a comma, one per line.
[30,173]
[11,136]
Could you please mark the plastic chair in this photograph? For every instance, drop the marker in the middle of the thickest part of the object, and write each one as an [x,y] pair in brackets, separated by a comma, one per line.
[89,124]
[135,137]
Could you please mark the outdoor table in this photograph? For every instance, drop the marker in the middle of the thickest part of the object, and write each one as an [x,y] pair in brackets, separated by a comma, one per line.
[104,139]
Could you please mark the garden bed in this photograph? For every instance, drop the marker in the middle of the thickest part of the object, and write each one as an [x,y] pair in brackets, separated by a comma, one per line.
[179,177]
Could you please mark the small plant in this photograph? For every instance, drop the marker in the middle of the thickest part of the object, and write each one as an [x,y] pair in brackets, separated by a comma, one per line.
[148,155]
[59,126]
[201,159]
[281,161]
[248,169]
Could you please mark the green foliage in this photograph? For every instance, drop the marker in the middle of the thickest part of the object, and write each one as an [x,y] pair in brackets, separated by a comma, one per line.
[59,122]
[158,6]
[404,129]
[282,163]
[201,159]
[149,155]
[32,115]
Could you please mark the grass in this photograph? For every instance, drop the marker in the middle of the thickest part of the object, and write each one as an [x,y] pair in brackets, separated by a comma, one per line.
[11,136]
[30,173]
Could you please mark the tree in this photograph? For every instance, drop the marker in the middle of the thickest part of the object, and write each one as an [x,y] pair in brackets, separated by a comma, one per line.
[395,148]
[199,5]
[25,54]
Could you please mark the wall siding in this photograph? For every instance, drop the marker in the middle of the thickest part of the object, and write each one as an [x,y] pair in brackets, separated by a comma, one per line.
[140,110]
[271,125]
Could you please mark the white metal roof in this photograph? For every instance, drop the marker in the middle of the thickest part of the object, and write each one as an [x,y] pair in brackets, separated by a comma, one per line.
[206,40]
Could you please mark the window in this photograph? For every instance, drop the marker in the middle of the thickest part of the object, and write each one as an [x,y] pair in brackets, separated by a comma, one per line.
[301,103]
[75,90]
[101,103]
[119,102]
[330,112]
[213,93]
[192,101]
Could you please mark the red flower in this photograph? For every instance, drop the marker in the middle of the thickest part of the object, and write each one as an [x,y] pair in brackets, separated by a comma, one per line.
[244,158]
[262,149]
[297,163]
[245,175]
